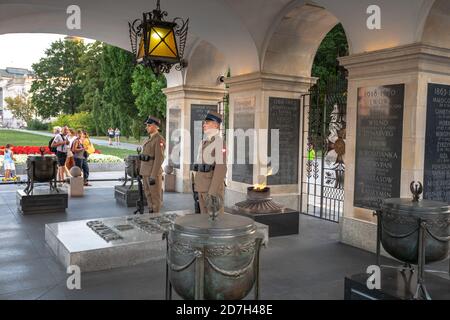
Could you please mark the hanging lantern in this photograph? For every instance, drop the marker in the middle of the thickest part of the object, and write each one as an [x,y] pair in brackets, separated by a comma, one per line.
[157,43]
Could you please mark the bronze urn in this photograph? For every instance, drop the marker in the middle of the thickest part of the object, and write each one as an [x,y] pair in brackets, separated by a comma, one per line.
[213,258]
[42,168]
[415,232]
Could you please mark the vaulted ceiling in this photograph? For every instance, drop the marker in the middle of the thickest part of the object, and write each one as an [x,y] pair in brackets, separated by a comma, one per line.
[248,34]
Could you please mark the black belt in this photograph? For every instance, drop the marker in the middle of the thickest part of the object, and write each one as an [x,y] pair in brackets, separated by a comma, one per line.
[146,158]
[203,167]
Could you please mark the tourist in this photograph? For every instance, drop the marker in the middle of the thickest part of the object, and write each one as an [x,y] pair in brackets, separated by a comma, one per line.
[8,161]
[79,151]
[311,153]
[111,135]
[70,161]
[89,149]
[61,143]
[56,132]
[117,135]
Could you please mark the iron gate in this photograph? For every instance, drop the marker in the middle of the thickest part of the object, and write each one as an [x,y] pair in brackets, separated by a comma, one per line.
[323,141]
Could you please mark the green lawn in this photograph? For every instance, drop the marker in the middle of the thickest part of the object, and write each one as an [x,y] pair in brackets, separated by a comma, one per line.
[122,139]
[19,138]
[121,153]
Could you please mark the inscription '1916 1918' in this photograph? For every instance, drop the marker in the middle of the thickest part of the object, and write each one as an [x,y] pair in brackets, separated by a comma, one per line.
[378,144]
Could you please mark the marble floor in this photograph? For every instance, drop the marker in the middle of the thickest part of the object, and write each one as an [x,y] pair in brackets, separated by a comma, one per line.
[311,265]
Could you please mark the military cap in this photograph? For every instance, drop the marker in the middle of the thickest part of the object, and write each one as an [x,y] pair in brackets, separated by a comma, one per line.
[153,120]
[214,116]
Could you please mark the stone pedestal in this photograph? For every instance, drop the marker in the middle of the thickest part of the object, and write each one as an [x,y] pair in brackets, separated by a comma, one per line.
[395,286]
[131,240]
[414,66]
[126,196]
[265,101]
[280,224]
[186,108]
[170,183]
[76,187]
[41,201]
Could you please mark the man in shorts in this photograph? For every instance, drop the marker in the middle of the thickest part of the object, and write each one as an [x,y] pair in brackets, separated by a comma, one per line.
[61,143]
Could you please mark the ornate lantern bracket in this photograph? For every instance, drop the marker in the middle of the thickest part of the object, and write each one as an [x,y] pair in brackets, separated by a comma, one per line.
[157,43]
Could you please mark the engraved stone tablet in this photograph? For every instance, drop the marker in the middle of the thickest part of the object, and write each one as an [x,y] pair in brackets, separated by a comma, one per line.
[284,115]
[437,144]
[244,119]
[198,114]
[378,145]
[174,136]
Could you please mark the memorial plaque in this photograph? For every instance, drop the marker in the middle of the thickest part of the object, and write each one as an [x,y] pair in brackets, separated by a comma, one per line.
[378,144]
[284,115]
[198,114]
[244,119]
[437,144]
[174,136]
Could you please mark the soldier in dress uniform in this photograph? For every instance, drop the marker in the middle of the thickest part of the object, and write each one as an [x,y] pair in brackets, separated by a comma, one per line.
[152,157]
[210,167]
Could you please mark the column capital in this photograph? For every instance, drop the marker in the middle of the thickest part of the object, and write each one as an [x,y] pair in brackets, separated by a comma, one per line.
[270,81]
[407,59]
[194,92]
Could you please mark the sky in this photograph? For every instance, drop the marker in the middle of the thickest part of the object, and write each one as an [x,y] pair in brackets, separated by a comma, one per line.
[21,50]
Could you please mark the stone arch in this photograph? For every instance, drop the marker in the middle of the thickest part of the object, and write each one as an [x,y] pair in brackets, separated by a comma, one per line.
[206,65]
[221,27]
[437,25]
[292,44]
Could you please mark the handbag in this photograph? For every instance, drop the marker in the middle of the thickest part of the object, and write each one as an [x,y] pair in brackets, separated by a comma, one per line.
[70,162]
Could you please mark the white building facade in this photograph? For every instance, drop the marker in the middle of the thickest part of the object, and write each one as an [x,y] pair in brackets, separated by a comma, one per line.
[13,82]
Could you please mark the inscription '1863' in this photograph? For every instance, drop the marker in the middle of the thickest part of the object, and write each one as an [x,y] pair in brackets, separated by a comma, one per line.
[437,144]
[378,145]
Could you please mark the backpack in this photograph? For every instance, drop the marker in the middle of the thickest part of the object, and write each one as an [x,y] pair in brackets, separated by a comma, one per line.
[52,149]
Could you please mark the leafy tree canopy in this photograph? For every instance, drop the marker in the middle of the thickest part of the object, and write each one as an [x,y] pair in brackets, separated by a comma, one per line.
[20,107]
[57,87]
[147,89]
[334,45]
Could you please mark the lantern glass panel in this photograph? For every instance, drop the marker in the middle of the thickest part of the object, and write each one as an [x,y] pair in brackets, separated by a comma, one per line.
[162,43]
[141,51]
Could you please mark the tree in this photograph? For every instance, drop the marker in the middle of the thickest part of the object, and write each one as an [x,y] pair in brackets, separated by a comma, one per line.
[57,86]
[119,110]
[334,45]
[89,75]
[147,90]
[21,107]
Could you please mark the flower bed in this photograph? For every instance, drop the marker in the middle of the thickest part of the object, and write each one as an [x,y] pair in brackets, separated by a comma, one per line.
[21,159]
[18,150]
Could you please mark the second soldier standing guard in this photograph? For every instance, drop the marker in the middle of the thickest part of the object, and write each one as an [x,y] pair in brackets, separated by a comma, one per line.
[210,168]
[152,158]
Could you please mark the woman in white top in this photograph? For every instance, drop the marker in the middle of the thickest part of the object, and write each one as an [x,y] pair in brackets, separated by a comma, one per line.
[117,135]
[70,162]
[111,135]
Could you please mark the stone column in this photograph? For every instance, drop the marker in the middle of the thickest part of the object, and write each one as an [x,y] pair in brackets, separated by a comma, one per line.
[182,103]
[264,101]
[415,66]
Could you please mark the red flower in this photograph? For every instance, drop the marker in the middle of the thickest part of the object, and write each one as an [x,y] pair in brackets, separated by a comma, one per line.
[26,150]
